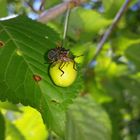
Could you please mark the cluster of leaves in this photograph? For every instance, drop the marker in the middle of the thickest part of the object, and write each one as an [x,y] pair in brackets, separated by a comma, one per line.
[106,104]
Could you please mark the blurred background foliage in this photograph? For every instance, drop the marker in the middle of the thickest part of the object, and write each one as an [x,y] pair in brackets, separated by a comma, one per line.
[114,83]
[22,123]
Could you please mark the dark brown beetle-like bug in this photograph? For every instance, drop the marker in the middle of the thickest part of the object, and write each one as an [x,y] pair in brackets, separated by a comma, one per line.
[62,55]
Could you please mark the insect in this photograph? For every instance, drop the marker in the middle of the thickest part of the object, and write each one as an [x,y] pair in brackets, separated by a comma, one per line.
[63,67]
[62,55]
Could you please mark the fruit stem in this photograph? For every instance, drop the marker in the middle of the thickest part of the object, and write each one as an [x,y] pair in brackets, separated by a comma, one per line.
[66,26]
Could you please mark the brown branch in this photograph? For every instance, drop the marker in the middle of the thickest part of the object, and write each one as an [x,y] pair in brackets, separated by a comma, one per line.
[58,10]
[31,6]
[109,30]
[41,8]
[42,5]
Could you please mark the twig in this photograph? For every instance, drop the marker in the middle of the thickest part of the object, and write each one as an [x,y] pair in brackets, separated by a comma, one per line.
[31,6]
[41,8]
[57,10]
[109,31]
[42,5]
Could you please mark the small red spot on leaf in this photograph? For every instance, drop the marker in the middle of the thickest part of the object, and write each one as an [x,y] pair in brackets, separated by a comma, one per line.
[1,44]
[37,78]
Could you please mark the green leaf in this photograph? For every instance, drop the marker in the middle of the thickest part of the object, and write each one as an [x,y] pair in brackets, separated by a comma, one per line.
[36,129]
[107,3]
[3,8]
[113,6]
[50,3]
[133,54]
[9,106]
[22,57]
[86,120]
[126,38]
[2,127]
[113,110]
[132,86]
[12,133]
[85,23]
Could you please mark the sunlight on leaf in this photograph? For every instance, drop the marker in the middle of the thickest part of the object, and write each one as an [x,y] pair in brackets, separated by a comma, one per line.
[87,120]
[21,58]
[35,130]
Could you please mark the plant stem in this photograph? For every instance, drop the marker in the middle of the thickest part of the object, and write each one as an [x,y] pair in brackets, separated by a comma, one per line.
[66,26]
[53,12]
[109,31]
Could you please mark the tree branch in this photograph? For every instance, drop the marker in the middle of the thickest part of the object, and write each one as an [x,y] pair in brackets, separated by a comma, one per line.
[109,31]
[41,8]
[59,9]
[42,5]
[31,6]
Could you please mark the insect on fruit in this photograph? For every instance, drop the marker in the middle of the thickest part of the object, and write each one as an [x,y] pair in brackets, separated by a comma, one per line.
[62,55]
[63,67]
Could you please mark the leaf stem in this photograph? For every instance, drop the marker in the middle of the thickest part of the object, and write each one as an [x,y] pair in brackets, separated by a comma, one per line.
[109,31]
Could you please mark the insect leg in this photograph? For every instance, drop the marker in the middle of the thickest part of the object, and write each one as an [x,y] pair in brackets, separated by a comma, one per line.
[61,66]
[74,66]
